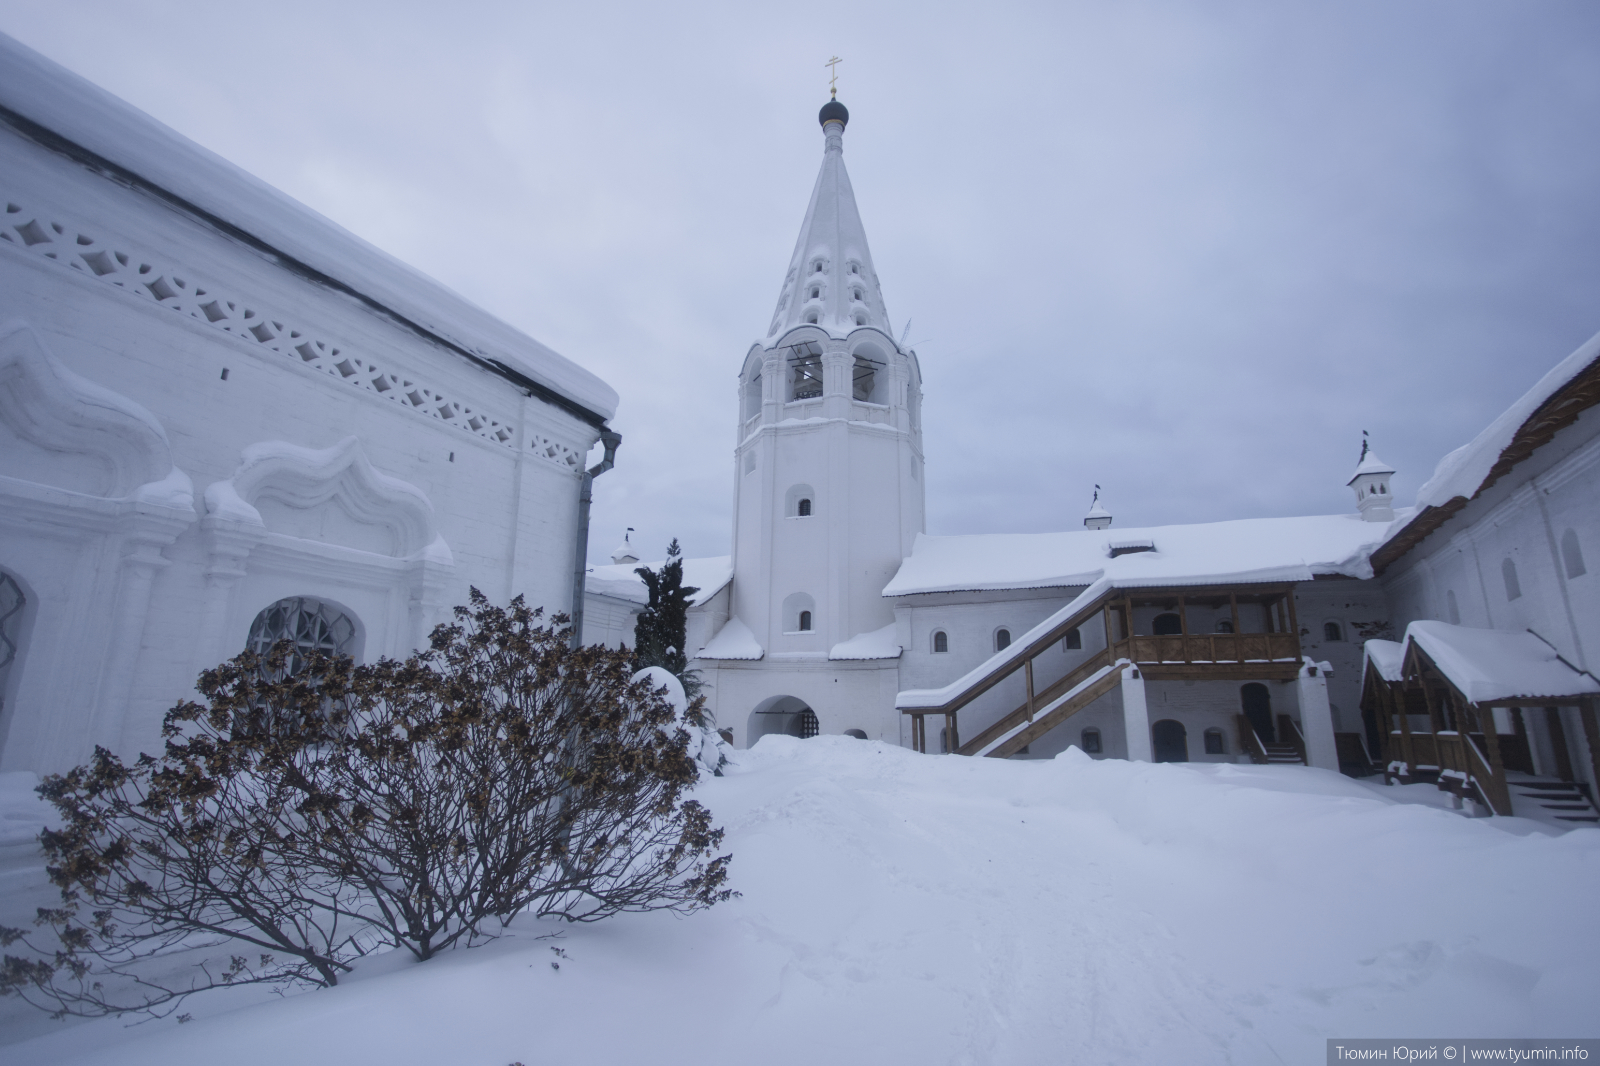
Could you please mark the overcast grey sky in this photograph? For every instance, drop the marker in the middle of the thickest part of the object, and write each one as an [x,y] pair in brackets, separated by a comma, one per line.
[1187,250]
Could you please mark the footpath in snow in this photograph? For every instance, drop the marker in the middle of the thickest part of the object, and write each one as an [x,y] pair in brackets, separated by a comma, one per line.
[903,908]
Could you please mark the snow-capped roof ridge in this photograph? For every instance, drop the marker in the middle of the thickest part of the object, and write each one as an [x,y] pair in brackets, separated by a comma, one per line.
[90,119]
[1267,549]
[1370,464]
[832,238]
[1463,471]
[1493,664]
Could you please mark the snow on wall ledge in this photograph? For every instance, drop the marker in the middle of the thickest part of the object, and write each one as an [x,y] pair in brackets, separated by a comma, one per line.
[733,641]
[53,97]
[878,644]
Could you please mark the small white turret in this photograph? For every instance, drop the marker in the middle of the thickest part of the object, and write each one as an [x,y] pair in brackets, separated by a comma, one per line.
[1373,492]
[1098,517]
[624,552]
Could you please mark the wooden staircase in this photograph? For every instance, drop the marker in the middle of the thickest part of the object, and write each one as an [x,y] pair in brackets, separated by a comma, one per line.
[1092,679]
[1550,800]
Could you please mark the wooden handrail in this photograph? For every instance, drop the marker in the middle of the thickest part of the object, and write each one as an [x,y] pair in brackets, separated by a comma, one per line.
[1048,721]
[1073,677]
[1288,731]
[1250,741]
[1491,786]
[1032,651]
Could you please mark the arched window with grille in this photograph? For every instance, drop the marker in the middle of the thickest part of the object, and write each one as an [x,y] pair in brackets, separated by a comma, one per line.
[1091,741]
[1331,631]
[1167,625]
[941,643]
[310,625]
[809,726]
[1073,641]
[805,621]
[1002,639]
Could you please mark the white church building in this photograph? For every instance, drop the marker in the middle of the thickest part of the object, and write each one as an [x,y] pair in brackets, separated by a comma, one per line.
[1445,641]
[225,420]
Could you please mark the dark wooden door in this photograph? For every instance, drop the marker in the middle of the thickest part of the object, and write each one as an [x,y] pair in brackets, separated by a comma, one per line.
[1257,705]
[1171,741]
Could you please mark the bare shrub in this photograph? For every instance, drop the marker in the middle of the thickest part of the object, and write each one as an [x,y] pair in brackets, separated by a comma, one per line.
[311,818]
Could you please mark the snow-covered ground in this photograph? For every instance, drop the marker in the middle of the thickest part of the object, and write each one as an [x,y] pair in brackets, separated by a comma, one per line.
[903,908]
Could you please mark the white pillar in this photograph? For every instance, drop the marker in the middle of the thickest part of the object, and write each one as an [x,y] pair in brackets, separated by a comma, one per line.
[1316,717]
[1135,716]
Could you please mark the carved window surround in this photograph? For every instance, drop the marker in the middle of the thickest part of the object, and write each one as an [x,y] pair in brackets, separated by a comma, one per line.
[118,262]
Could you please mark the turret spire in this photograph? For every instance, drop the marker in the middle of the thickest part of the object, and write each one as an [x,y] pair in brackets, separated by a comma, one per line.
[831,281]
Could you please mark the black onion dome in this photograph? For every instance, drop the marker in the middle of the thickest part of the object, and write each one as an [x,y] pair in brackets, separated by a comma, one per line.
[834,111]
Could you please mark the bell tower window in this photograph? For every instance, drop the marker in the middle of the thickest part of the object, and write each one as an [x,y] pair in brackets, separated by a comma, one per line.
[803,509]
[805,369]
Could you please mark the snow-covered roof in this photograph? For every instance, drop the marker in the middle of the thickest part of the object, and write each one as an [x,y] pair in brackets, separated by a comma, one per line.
[708,575]
[73,108]
[1251,549]
[1370,464]
[878,644]
[1388,656]
[1463,471]
[1490,664]
[733,641]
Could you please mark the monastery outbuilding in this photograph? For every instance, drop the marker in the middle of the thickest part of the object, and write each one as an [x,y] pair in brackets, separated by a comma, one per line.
[225,421]
[1444,642]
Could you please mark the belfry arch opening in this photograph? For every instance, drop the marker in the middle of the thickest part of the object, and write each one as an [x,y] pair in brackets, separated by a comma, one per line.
[805,370]
[868,382]
[787,716]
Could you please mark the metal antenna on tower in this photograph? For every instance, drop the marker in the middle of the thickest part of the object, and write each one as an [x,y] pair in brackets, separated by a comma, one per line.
[904,334]
[833,82]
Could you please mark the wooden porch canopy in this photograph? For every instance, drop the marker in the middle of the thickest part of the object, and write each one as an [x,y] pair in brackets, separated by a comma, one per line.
[1272,654]
[1457,677]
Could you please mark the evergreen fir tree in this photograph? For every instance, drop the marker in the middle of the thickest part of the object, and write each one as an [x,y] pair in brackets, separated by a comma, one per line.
[660,634]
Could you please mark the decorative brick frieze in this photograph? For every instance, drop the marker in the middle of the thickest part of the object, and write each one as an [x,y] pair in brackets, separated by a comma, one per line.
[115,261]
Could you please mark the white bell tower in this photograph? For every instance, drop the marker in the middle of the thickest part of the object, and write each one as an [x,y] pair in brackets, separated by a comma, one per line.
[828,482]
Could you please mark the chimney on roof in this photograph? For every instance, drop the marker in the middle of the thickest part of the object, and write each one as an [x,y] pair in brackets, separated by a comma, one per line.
[1098,517]
[624,552]
[1371,484]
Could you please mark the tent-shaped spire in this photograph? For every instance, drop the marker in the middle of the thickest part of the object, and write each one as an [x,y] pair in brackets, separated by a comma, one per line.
[831,282]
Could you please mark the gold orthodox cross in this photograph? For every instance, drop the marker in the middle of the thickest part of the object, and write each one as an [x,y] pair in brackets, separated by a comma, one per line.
[833,69]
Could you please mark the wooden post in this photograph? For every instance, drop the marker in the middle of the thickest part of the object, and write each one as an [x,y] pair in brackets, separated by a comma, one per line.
[1183,625]
[1406,746]
[1491,740]
[919,738]
[1591,733]
[952,739]
[1111,644]
[1238,646]
[1027,670]
[1294,626]
[1558,741]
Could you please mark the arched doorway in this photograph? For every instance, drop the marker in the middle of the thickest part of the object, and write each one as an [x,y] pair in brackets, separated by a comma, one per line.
[786,715]
[1171,741]
[1256,702]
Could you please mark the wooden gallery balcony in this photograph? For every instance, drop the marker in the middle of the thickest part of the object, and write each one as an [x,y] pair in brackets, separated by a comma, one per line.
[1174,651]
[1256,638]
